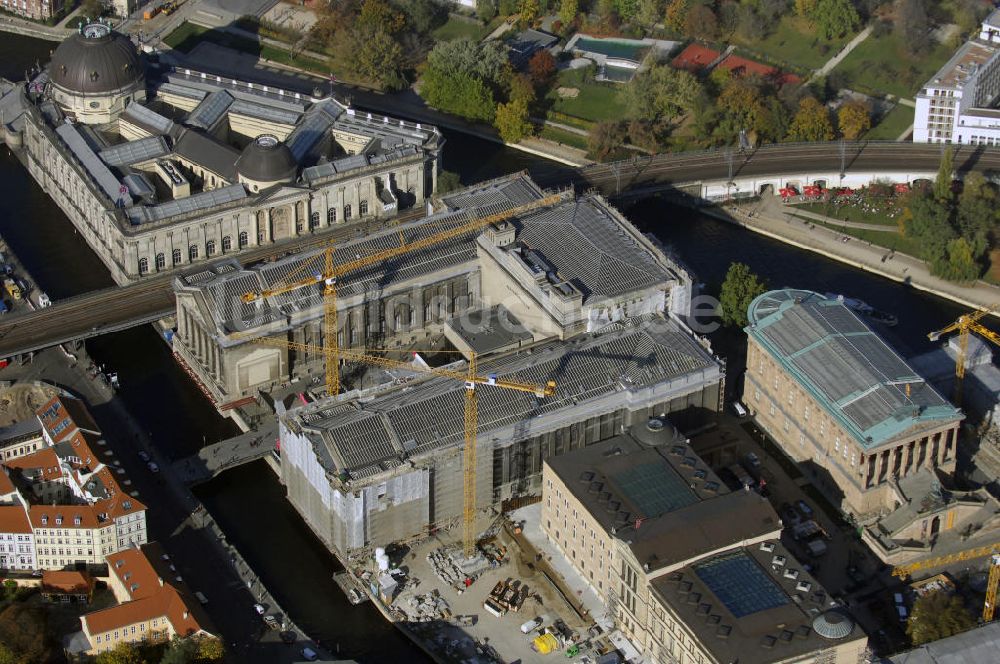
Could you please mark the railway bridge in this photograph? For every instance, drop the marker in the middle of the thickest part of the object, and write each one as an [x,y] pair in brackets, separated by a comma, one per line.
[708,175]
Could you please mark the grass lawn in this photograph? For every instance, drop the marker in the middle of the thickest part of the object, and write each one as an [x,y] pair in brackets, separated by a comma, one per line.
[881,65]
[457,29]
[889,239]
[796,43]
[894,123]
[596,102]
[564,137]
[849,213]
[188,35]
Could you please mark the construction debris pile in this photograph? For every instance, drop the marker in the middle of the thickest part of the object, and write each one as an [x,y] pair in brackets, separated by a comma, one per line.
[428,607]
[506,596]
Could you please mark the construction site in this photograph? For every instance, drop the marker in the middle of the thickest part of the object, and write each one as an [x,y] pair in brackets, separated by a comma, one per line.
[422,374]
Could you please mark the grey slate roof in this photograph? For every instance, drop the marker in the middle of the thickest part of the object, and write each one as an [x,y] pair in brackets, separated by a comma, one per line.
[583,239]
[207,153]
[204,200]
[211,109]
[97,169]
[149,119]
[360,436]
[134,152]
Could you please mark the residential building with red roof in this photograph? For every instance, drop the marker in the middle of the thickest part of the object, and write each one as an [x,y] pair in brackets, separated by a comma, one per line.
[67,586]
[76,510]
[153,604]
[743,67]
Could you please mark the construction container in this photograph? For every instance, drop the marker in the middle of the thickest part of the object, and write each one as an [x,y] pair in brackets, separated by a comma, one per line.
[545,644]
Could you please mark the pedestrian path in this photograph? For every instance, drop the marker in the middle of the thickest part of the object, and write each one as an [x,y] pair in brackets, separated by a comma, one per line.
[844,52]
[771,217]
[833,221]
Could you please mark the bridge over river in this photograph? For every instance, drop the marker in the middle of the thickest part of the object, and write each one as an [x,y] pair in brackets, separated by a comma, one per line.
[150,299]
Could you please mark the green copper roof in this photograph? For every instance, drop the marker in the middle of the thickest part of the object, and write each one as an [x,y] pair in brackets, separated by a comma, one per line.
[848,369]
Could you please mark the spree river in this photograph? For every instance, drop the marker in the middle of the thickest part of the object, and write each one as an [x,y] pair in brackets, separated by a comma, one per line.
[249,501]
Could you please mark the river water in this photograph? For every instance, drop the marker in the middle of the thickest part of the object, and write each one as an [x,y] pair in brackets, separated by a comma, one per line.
[248,502]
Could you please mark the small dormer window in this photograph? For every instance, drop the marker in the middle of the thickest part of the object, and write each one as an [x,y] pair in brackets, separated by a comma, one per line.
[127,504]
[77,520]
[45,520]
[58,520]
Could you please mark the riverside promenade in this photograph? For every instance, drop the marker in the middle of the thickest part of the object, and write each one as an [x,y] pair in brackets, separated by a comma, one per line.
[770,216]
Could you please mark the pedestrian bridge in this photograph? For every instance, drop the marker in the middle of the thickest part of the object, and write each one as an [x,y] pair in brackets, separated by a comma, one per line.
[211,460]
[707,174]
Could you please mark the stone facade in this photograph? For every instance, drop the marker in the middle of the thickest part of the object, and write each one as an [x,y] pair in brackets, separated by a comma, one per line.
[38,10]
[131,252]
[858,479]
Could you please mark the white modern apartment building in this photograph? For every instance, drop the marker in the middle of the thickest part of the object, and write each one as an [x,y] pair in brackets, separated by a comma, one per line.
[959,104]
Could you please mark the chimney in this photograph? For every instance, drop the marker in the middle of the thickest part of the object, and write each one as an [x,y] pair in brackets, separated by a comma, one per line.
[160,579]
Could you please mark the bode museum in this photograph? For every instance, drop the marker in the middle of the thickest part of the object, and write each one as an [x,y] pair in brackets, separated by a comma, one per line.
[162,167]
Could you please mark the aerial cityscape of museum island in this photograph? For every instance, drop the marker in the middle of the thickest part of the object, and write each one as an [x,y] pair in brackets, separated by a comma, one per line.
[496,331]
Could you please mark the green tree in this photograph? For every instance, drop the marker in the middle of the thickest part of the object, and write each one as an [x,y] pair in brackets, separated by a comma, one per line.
[835,18]
[605,139]
[180,651]
[568,9]
[486,9]
[627,9]
[6,656]
[958,264]
[811,122]
[460,94]
[805,8]
[928,220]
[123,653]
[376,55]
[937,615]
[912,26]
[660,93]
[854,119]
[507,7]
[739,289]
[512,121]
[650,12]
[521,89]
[945,175]
[529,11]
[977,212]
[448,181]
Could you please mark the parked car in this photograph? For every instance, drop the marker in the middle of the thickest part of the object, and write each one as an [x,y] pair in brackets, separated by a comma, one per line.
[789,517]
[739,409]
[752,459]
[807,511]
[309,654]
[200,596]
[153,468]
[259,608]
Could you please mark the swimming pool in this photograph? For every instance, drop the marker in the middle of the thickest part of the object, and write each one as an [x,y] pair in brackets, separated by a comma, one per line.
[613,48]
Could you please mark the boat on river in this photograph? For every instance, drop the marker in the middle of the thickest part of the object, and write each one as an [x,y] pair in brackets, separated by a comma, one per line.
[862,308]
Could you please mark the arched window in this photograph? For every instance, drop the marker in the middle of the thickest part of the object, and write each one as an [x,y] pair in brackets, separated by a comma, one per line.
[161,261]
[363,208]
[143,265]
[331,216]
[210,247]
[244,239]
[299,225]
[193,252]
[314,220]
[227,243]
[175,255]
[347,211]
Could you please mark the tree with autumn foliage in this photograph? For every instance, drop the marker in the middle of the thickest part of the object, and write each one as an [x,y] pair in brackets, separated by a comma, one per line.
[542,68]
[811,123]
[854,118]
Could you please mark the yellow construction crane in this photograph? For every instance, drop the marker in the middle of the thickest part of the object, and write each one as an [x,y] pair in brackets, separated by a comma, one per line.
[331,272]
[472,379]
[965,325]
[992,550]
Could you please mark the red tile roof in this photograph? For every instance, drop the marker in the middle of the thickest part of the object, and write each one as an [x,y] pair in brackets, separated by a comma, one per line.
[13,519]
[694,58]
[67,582]
[6,486]
[46,460]
[151,597]
[63,416]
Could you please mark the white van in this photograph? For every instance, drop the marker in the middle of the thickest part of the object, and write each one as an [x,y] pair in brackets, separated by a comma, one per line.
[739,409]
[530,626]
